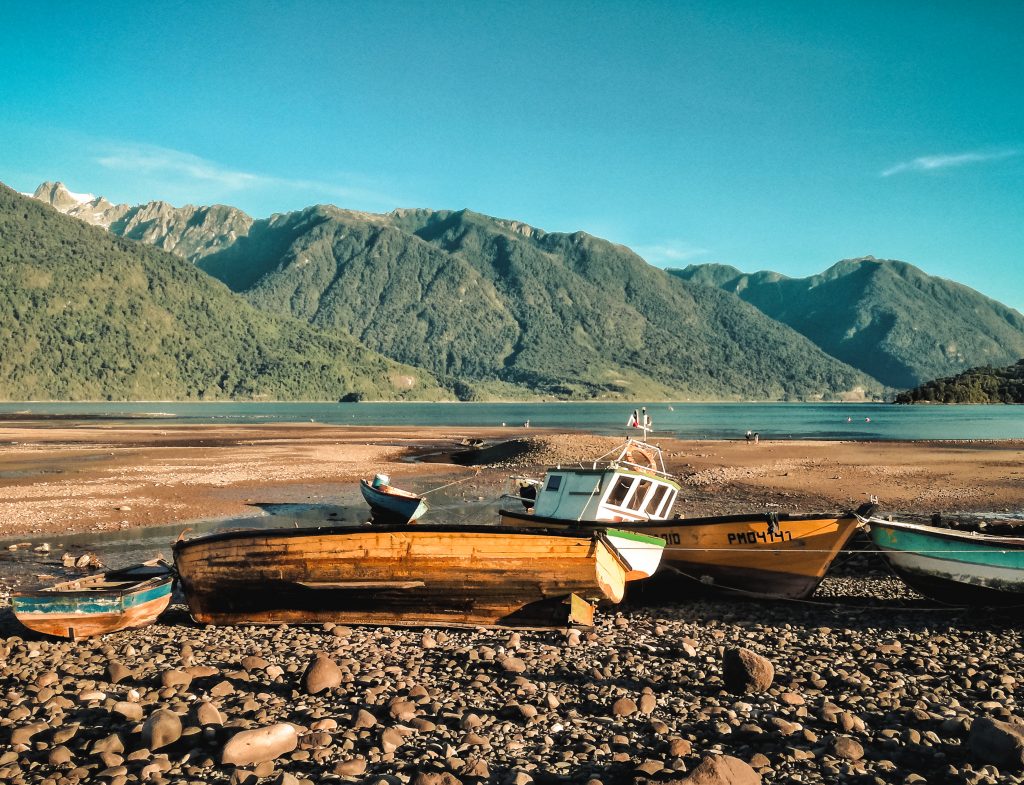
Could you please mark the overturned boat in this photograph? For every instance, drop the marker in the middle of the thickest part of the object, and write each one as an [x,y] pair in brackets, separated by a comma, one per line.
[762,553]
[107,602]
[950,566]
[401,575]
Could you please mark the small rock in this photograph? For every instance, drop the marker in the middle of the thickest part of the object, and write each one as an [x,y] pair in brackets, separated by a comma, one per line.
[351,768]
[847,748]
[391,739]
[624,707]
[746,672]
[128,710]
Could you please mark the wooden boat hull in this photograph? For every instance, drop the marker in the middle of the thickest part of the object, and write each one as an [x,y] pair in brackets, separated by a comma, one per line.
[779,556]
[83,614]
[396,575]
[391,507]
[952,567]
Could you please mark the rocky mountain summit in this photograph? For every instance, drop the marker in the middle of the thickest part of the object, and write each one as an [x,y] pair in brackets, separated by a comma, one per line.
[190,232]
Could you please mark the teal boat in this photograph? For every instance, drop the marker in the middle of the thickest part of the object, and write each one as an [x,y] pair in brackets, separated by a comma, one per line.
[110,601]
[953,567]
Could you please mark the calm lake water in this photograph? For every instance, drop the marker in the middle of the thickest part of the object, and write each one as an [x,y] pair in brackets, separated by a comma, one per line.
[861,422]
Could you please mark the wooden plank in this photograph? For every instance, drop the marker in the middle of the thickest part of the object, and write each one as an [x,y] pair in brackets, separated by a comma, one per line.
[362,584]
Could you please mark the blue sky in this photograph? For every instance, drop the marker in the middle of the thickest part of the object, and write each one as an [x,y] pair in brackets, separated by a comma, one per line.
[776,135]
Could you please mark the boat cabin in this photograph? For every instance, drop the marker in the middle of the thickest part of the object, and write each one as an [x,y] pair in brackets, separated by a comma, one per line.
[631,487]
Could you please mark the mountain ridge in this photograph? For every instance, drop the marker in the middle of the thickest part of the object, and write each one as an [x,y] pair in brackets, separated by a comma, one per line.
[96,316]
[412,283]
[886,317]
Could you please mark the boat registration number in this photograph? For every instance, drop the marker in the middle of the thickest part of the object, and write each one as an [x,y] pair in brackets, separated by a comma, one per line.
[753,538]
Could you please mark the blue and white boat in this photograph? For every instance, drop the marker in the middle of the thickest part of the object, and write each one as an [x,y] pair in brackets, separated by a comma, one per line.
[391,505]
[953,567]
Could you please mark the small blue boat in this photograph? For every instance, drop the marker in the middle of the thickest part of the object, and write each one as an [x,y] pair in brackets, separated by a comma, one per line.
[107,602]
[391,505]
[953,567]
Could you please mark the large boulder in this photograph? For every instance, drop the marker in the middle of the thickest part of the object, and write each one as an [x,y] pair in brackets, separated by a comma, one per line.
[722,770]
[743,671]
[161,729]
[321,674]
[260,744]
[999,743]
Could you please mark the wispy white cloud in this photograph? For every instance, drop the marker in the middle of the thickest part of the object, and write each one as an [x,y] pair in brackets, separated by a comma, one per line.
[928,163]
[669,252]
[184,168]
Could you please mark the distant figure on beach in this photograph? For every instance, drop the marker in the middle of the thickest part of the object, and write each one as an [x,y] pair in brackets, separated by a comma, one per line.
[526,424]
[750,436]
[757,437]
[648,422]
[634,420]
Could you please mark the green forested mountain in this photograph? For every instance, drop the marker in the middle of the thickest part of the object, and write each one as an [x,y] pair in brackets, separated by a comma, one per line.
[87,315]
[887,318]
[482,302]
[977,385]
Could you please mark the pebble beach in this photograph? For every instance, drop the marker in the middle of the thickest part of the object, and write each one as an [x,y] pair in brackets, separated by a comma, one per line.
[865,683]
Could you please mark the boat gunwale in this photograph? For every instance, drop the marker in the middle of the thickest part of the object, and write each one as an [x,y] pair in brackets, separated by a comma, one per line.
[663,522]
[55,591]
[978,538]
[392,492]
[434,528]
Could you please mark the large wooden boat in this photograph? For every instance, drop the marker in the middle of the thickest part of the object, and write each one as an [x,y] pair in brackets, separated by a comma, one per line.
[953,567]
[769,554]
[402,575]
[106,602]
[389,504]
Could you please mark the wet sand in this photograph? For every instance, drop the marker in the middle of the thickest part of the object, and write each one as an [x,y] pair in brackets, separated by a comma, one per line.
[94,477]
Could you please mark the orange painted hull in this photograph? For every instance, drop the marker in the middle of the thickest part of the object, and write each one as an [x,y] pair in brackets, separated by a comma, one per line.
[760,555]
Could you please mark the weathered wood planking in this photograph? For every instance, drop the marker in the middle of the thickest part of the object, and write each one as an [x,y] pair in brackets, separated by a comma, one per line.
[421,575]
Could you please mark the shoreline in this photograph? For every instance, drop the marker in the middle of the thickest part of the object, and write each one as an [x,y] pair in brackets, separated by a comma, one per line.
[57,477]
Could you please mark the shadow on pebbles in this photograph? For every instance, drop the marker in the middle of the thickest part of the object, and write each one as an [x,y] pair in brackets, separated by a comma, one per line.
[709,690]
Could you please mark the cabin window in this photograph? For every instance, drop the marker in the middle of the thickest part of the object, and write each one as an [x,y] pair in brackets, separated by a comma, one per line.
[637,502]
[619,492]
[554,482]
[657,498]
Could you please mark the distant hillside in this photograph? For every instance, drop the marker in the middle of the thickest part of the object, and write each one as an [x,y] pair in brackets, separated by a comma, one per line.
[87,315]
[491,307]
[887,318]
[978,385]
[482,300]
